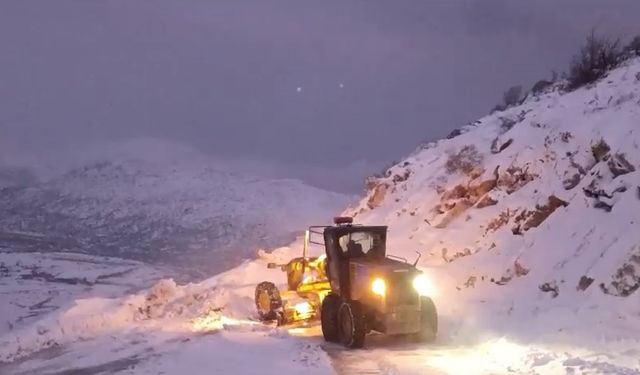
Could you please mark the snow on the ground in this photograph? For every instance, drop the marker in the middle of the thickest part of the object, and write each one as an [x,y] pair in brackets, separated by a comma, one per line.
[527,226]
[208,327]
[34,285]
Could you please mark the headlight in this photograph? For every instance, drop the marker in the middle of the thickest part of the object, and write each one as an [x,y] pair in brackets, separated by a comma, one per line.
[302,308]
[422,285]
[379,287]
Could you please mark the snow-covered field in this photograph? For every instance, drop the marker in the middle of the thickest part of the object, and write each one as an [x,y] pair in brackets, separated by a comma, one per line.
[527,223]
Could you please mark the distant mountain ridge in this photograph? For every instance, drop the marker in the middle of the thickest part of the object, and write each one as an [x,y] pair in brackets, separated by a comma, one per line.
[179,210]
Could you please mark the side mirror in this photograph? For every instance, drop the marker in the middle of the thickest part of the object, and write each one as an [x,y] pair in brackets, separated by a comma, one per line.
[272,265]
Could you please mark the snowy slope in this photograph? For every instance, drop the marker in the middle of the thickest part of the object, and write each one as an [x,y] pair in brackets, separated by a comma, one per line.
[547,192]
[161,203]
[528,221]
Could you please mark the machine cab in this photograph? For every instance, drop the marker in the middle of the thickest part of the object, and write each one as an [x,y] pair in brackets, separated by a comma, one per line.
[346,244]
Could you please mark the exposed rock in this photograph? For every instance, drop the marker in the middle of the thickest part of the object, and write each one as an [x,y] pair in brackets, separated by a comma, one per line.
[457,200]
[600,150]
[377,197]
[371,183]
[453,211]
[626,280]
[619,165]
[497,146]
[542,212]
[482,188]
[604,206]
[516,271]
[584,283]
[486,201]
[506,124]
[404,176]
[572,181]
[458,192]
[477,172]
[519,269]
[532,219]
[603,199]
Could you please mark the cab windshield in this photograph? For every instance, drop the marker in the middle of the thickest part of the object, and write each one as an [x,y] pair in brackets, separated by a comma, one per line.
[360,244]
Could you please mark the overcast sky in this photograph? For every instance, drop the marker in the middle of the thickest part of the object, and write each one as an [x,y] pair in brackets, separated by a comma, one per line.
[312,83]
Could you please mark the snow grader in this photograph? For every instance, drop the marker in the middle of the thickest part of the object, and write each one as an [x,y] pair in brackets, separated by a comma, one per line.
[354,288]
[307,285]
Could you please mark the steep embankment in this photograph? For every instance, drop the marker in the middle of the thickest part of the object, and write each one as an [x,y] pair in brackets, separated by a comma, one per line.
[530,216]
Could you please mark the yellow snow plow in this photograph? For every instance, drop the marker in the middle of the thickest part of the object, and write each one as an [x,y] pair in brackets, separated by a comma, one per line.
[307,285]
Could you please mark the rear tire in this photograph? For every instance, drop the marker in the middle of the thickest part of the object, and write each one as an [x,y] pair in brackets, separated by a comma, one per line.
[428,320]
[268,301]
[329,318]
[352,324]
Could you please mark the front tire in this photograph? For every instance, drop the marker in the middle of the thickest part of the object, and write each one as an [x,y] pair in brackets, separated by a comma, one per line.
[352,324]
[428,320]
[329,318]
[268,302]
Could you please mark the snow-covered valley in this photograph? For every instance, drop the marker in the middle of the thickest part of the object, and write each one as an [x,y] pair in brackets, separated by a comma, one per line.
[158,202]
[526,221]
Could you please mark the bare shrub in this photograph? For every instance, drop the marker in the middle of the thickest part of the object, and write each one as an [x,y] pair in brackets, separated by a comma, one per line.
[633,48]
[500,221]
[596,57]
[465,161]
[512,96]
[497,108]
[540,86]
[550,287]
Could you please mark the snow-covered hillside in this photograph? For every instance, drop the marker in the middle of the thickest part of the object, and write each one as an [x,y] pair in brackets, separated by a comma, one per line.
[160,203]
[528,221]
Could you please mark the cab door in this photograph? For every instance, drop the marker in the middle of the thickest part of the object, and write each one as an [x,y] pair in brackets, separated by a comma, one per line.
[334,258]
[337,263]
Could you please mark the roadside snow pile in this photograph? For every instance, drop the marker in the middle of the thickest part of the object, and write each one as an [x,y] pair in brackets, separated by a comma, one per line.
[224,302]
[161,203]
[528,219]
[81,320]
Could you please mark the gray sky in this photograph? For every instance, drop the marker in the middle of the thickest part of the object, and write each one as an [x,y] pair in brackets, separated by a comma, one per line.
[376,77]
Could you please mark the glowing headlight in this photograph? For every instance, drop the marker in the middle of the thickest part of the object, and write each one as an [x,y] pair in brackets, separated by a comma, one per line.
[422,285]
[379,287]
[302,308]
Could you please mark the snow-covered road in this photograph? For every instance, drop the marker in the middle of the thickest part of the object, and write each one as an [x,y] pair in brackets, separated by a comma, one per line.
[89,315]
